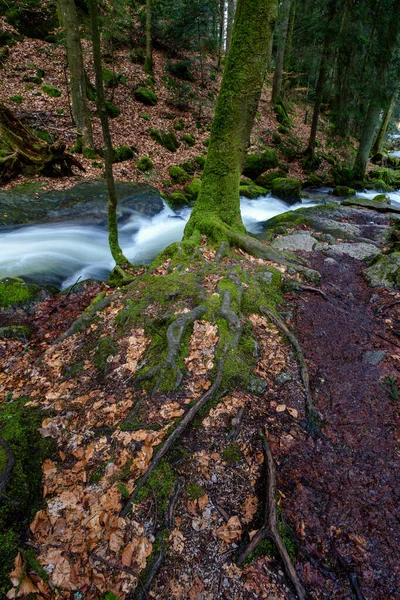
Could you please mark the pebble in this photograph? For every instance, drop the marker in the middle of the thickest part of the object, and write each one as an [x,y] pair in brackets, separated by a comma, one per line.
[214,478]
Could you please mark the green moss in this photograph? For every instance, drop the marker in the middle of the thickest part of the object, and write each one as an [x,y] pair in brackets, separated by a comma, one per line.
[159,484]
[16,292]
[178,175]
[193,189]
[343,191]
[123,490]
[111,110]
[177,200]
[189,140]
[265,180]
[189,166]
[252,191]
[232,454]
[51,90]
[194,491]
[89,153]
[15,332]
[256,164]
[17,99]
[200,161]
[19,428]
[109,596]
[287,189]
[112,79]
[145,116]
[106,348]
[146,96]
[179,125]
[145,164]
[166,139]
[122,153]
[282,116]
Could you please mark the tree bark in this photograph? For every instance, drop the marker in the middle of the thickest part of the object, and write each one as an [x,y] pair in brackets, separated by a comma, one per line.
[366,141]
[115,248]
[148,63]
[221,31]
[229,23]
[289,38]
[77,74]
[280,53]
[377,147]
[217,208]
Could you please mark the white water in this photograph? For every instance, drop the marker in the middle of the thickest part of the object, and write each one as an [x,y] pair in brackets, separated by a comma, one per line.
[61,253]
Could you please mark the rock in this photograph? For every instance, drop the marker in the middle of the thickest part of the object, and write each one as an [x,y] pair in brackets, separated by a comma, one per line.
[374,357]
[265,179]
[331,261]
[378,205]
[256,164]
[343,191]
[385,272]
[166,139]
[15,332]
[146,96]
[301,240]
[266,277]
[15,293]
[257,385]
[252,191]
[287,189]
[359,251]
[178,175]
[283,378]
[312,276]
[382,198]
[177,200]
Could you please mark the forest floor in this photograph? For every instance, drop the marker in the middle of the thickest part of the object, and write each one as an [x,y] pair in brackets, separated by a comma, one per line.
[337,487]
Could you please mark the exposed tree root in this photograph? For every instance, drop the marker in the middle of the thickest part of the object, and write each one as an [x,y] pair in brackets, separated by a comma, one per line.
[312,414]
[307,288]
[270,527]
[187,419]
[84,320]
[5,474]
[174,337]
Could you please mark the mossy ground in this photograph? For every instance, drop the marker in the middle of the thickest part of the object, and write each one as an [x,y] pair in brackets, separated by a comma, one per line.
[15,292]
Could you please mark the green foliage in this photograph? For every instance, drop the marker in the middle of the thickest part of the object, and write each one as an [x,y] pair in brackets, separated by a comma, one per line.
[194,491]
[189,166]
[145,116]
[51,90]
[256,164]
[17,99]
[122,153]
[15,332]
[166,139]
[145,164]
[109,596]
[391,386]
[178,175]
[159,484]
[111,110]
[189,140]
[179,125]
[232,454]
[181,70]
[181,95]
[123,490]
[200,161]
[19,428]
[146,96]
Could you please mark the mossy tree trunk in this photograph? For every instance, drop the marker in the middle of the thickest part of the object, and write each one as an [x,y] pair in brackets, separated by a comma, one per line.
[148,62]
[221,31]
[289,37]
[83,123]
[217,209]
[366,140]
[377,147]
[117,254]
[283,25]
[229,23]
[28,153]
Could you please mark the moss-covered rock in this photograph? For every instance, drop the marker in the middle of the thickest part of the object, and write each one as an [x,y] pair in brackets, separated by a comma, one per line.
[282,116]
[15,292]
[193,189]
[111,110]
[177,200]
[179,125]
[51,90]
[189,166]
[383,198]
[385,272]
[200,161]
[189,140]
[343,191]
[122,153]
[166,139]
[287,189]
[252,191]
[265,180]
[145,164]
[15,332]
[146,96]
[256,164]
[178,175]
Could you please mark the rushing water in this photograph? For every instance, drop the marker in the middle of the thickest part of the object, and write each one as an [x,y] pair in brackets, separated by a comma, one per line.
[60,253]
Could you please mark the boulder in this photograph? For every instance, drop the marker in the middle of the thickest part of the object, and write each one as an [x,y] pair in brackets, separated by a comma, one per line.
[256,164]
[265,179]
[385,272]
[287,189]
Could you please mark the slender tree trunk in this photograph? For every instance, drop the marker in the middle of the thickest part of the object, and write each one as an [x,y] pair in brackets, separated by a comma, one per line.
[229,23]
[377,147]
[116,251]
[148,63]
[221,31]
[77,74]
[366,141]
[280,53]
[217,209]
[289,39]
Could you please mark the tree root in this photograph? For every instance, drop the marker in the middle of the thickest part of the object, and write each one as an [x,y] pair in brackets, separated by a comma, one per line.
[174,336]
[187,419]
[83,321]
[5,474]
[307,288]
[270,527]
[312,414]
[236,424]
[256,248]
[142,593]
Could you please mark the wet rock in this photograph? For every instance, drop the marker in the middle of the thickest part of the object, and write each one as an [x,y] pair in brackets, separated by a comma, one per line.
[257,385]
[359,251]
[385,272]
[374,357]
[331,261]
[302,241]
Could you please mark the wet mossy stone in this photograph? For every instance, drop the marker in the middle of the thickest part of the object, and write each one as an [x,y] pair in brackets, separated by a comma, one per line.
[343,191]
[177,200]
[14,292]
[252,191]
[379,185]
[146,96]
[287,189]
[265,180]
[193,189]
[256,164]
[145,164]
[385,272]
[51,90]
[382,198]
[178,175]
[166,139]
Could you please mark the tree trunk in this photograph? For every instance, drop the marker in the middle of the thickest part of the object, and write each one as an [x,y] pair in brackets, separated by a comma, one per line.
[77,74]
[217,209]
[366,141]
[116,251]
[148,63]
[229,23]
[377,147]
[289,38]
[221,31]
[280,53]
[28,153]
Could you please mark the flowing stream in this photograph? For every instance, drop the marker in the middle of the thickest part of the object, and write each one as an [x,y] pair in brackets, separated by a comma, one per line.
[60,253]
